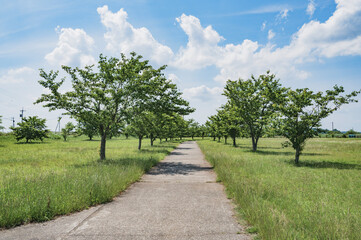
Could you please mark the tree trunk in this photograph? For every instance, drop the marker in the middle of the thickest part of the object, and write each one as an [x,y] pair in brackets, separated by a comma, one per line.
[166,139]
[254,144]
[151,139]
[214,138]
[140,142]
[225,139]
[219,139]
[234,142]
[192,138]
[102,146]
[297,156]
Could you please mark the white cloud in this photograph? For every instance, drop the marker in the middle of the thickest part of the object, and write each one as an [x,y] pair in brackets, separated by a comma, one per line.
[74,47]
[271,34]
[122,37]
[18,75]
[261,10]
[202,48]
[340,35]
[311,7]
[173,77]
[263,26]
[202,92]
[284,13]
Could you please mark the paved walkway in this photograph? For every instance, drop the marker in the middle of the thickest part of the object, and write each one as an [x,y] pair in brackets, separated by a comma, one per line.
[178,199]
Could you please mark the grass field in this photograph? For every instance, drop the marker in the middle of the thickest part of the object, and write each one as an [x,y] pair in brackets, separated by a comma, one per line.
[41,180]
[319,199]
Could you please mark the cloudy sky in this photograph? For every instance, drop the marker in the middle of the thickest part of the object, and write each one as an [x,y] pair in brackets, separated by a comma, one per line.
[310,43]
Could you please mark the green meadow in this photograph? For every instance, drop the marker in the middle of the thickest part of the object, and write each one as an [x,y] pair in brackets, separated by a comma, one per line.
[39,181]
[318,199]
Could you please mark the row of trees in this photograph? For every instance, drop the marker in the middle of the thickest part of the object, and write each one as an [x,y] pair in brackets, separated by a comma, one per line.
[125,91]
[166,127]
[262,105]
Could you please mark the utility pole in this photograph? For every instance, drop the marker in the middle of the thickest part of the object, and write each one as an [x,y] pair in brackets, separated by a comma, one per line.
[58,125]
[13,119]
[22,113]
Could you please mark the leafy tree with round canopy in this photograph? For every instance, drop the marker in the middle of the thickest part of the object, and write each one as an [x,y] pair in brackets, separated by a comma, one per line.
[303,110]
[232,124]
[31,128]
[255,102]
[87,128]
[193,128]
[106,96]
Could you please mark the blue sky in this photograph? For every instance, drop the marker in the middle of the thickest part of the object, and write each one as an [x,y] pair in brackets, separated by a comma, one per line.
[311,43]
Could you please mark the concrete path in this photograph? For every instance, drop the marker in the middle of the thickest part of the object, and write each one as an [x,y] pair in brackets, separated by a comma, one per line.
[178,199]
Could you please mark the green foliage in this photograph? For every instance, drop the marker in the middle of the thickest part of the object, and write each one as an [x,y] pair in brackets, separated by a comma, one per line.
[193,128]
[351,131]
[1,121]
[317,199]
[67,130]
[110,96]
[303,110]
[30,128]
[255,101]
[89,129]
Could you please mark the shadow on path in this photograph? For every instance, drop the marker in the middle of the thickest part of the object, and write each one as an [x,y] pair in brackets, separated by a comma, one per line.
[171,168]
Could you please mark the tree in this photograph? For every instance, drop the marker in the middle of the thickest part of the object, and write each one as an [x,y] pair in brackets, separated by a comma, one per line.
[1,121]
[211,128]
[203,130]
[232,124]
[216,127]
[155,96]
[139,126]
[89,129]
[351,131]
[30,128]
[193,128]
[102,97]
[303,110]
[255,102]
[66,131]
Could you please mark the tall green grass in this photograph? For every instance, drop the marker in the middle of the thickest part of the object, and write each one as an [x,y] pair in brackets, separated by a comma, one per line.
[319,199]
[41,180]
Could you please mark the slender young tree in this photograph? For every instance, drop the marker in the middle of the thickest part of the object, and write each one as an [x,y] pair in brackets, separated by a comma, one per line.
[66,131]
[303,110]
[255,102]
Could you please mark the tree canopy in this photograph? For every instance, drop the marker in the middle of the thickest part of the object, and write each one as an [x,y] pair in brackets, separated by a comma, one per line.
[31,128]
[302,111]
[112,95]
[254,101]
